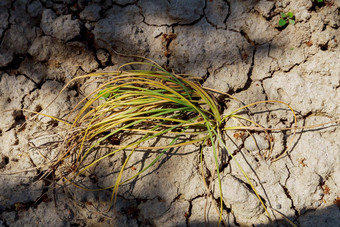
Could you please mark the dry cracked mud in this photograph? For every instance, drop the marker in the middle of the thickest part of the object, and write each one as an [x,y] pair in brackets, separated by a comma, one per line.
[237,47]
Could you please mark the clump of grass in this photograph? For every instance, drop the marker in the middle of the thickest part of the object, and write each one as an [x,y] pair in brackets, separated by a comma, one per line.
[154,104]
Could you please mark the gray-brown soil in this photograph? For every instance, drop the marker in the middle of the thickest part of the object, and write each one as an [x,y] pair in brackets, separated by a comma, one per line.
[236,46]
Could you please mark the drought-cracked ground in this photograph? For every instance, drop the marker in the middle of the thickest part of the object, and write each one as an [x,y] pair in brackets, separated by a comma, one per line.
[237,47]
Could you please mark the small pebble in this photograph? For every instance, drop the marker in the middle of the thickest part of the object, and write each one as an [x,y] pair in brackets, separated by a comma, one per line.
[103,56]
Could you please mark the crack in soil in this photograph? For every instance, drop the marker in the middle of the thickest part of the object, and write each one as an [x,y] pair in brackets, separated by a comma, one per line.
[173,24]
[249,74]
[228,14]
[126,4]
[25,206]
[7,28]
[19,116]
[3,222]
[246,36]
[187,215]
[285,189]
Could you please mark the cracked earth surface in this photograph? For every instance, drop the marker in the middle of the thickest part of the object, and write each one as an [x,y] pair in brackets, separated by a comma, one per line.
[237,47]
